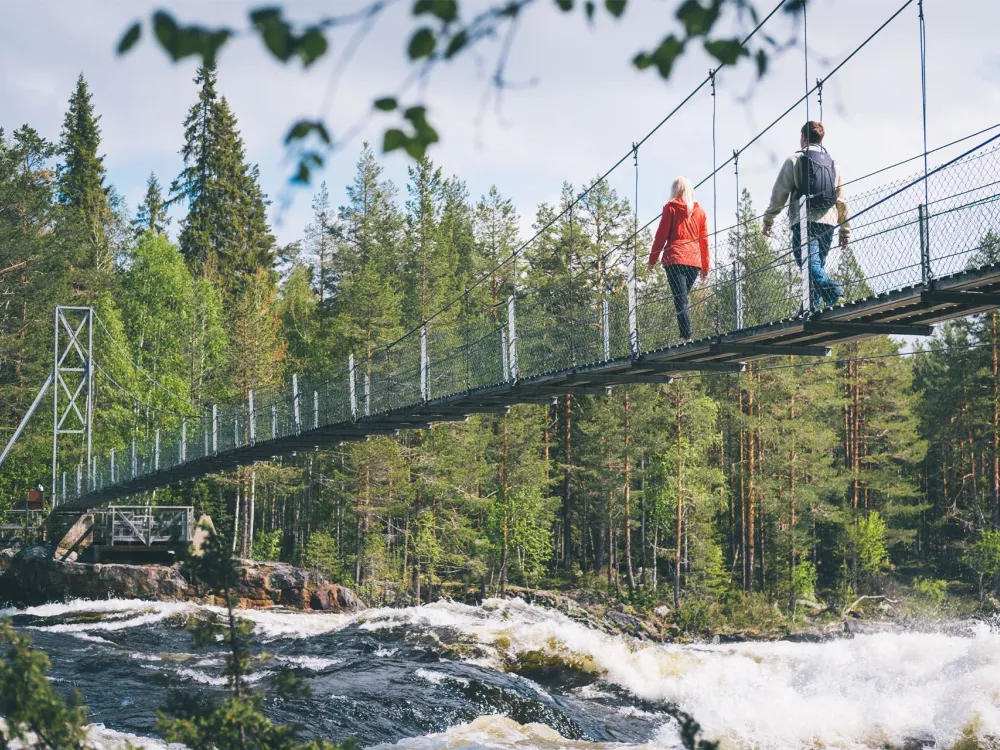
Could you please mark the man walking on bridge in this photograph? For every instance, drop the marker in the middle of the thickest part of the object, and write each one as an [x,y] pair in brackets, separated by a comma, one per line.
[812,175]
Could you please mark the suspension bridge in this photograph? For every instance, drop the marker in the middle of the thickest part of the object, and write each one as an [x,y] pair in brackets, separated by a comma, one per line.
[925,249]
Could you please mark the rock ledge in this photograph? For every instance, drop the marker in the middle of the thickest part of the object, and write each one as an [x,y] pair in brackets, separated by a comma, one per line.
[33,577]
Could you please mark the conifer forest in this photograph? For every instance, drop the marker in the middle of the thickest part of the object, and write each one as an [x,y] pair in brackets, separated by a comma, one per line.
[797,481]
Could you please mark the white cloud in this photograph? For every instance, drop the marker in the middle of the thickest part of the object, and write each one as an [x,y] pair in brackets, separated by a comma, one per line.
[586,108]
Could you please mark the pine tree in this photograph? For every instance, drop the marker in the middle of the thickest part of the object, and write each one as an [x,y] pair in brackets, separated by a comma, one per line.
[152,213]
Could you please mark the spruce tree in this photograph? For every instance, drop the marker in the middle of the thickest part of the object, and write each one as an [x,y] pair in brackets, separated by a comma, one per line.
[321,245]
[421,269]
[152,213]
[225,234]
[81,180]
[372,223]
[496,236]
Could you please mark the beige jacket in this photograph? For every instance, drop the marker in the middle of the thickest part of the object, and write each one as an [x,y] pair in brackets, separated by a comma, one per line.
[786,191]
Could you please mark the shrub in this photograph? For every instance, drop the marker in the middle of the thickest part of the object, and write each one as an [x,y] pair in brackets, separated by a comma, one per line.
[930,591]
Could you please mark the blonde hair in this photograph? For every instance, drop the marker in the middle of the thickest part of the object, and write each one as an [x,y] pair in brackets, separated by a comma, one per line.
[682,189]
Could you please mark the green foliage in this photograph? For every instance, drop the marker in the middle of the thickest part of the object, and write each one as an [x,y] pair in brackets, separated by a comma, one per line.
[35,716]
[523,523]
[321,555]
[267,545]
[152,213]
[804,581]
[931,591]
[225,236]
[237,722]
[438,35]
[868,539]
[984,557]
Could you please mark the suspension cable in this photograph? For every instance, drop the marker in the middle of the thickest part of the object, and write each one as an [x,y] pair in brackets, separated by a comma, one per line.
[140,369]
[539,232]
[829,75]
[923,90]
[715,202]
[805,52]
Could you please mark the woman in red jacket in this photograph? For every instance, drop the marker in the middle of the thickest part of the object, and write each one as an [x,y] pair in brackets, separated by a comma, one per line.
[684,231]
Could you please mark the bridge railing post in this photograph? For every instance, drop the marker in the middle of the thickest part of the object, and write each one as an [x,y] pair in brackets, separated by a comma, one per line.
[512,338]
[156,451]
[425,386]
[926,273]
[352,387]
[252,418]
[215,429]
[315,410]
[184,440]
[134,466]
[112,466]
[633,311]
[504,354]
[274,422]
[368,386]
[63,488]
[605,329]
[737,296]
[79,480]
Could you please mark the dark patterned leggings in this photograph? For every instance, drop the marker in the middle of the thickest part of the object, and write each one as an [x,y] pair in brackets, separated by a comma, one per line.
[682,280]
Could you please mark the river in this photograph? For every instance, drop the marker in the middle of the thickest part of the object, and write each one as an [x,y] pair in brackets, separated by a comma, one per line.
[509,675]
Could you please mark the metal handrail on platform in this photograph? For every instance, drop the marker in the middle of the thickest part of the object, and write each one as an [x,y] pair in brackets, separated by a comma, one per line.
[147,524]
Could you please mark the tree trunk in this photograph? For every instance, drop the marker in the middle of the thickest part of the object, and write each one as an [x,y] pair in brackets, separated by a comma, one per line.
[567,477]
[793,595]
[995,370]
[742,490]
[504,492]
[251,510]
[236,513]
[628,499]
[751,492]
[680,498]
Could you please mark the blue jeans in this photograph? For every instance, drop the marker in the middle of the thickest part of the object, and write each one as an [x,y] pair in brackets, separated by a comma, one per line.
[821,287]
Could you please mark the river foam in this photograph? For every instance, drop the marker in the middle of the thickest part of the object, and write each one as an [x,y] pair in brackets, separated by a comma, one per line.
[870,691]
[865,692]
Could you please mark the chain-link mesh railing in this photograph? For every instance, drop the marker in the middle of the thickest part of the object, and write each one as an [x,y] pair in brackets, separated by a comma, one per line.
[902,233]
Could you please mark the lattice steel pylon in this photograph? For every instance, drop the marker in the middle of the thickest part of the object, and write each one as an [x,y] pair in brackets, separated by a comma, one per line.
[72,374]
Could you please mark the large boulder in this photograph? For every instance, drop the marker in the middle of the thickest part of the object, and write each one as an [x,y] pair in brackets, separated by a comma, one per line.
[332,597]
[33,576]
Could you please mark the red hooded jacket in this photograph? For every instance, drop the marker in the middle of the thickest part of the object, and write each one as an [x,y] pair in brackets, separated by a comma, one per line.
[685,237]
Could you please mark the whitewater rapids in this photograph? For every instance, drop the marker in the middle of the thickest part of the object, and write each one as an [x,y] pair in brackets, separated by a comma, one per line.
[511,675]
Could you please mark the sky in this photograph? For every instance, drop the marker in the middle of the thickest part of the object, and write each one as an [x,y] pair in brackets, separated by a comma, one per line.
[578,105]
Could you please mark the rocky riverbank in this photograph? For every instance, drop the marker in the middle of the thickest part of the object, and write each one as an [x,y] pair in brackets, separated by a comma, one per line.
[32,576]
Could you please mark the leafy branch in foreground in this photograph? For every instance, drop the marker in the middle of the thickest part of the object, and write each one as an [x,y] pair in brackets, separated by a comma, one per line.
[440,33]
[35,716]
[237,722]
